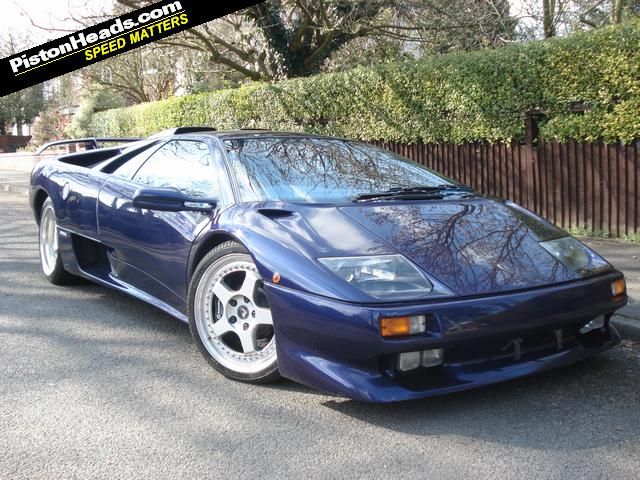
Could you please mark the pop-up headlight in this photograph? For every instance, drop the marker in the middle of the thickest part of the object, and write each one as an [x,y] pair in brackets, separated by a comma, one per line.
[384,276]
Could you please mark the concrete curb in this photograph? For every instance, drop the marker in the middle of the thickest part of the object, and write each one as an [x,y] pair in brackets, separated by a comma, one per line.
[629,328]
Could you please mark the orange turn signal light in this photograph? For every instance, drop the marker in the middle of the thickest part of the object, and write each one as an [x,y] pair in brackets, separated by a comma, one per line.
[398,326]
[394,327]
[618,287]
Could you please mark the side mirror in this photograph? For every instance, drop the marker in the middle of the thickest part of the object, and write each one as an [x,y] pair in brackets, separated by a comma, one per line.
[171,200]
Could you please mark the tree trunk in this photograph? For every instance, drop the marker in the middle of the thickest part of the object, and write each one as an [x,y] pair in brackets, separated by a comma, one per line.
[18,127]
[548,18]
[616,11]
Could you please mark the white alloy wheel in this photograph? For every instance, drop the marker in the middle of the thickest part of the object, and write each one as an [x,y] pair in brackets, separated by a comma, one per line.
[232,317]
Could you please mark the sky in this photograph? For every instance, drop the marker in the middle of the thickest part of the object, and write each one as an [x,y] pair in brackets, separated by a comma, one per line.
[15,17]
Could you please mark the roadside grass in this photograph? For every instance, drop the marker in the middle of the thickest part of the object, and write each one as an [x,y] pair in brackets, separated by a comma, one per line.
[582,231]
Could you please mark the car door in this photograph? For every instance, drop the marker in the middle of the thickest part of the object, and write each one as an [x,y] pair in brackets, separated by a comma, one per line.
[79,189]
[149,249]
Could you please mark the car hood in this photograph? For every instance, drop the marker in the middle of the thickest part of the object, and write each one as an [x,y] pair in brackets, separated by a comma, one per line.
[474,246]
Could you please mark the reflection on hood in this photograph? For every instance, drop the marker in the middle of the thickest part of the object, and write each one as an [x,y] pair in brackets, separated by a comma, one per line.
[473,246]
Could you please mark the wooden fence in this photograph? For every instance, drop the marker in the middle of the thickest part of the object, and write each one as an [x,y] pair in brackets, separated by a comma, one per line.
[10,143]
[592,186]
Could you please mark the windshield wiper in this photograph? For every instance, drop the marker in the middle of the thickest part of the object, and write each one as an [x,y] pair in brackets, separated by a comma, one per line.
[432,188]
[363,197]
[430,192]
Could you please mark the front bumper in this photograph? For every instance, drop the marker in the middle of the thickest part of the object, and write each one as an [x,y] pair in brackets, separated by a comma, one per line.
[337,347]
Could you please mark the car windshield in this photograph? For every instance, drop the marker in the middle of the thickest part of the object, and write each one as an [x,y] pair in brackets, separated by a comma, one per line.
[319,170]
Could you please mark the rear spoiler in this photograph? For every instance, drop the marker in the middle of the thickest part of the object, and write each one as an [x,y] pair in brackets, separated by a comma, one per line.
[181,131]
[90,143]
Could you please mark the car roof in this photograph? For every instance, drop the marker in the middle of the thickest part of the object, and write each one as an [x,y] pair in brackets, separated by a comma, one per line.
[244,133]
[266,134]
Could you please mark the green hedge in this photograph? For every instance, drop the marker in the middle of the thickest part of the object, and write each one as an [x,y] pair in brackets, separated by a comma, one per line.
[477,96]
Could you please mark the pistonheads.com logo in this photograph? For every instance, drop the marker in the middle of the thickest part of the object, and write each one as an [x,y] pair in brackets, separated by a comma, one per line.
[107,39]
[118,36]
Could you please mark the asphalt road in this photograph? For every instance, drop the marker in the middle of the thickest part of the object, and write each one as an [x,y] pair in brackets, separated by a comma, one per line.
[94,384]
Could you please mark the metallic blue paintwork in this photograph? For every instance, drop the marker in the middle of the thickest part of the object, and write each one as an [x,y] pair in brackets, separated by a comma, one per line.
[474,246]
[75,193]
[156,243]
[327,330]
[318,357]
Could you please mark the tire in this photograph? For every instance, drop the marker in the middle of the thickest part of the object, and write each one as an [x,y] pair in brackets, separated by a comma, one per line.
[50,260]
[229,316]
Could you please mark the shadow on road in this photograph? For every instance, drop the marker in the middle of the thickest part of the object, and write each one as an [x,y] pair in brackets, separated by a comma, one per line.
[574,408]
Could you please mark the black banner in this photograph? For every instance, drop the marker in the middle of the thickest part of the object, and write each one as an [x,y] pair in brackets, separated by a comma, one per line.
[108,39]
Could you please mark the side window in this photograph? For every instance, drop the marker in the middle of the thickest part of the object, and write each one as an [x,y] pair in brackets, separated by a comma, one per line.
[183,164]
[131,166]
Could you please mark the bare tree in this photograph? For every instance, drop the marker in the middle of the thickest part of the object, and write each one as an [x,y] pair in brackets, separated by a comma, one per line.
[291,38]
[23,106]
[279,39]
[142,75]
[449,25]
[559,17]
[288,38]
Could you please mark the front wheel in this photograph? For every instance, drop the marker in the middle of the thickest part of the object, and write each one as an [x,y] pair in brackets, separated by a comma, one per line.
[230,317]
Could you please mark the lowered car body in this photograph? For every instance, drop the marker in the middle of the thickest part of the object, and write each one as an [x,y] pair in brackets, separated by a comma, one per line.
[356,272]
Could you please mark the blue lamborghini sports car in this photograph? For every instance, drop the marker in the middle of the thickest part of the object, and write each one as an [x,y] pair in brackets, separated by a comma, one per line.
[329,262]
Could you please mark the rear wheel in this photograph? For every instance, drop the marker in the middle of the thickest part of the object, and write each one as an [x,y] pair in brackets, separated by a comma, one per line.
[230,317]
[49,255]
